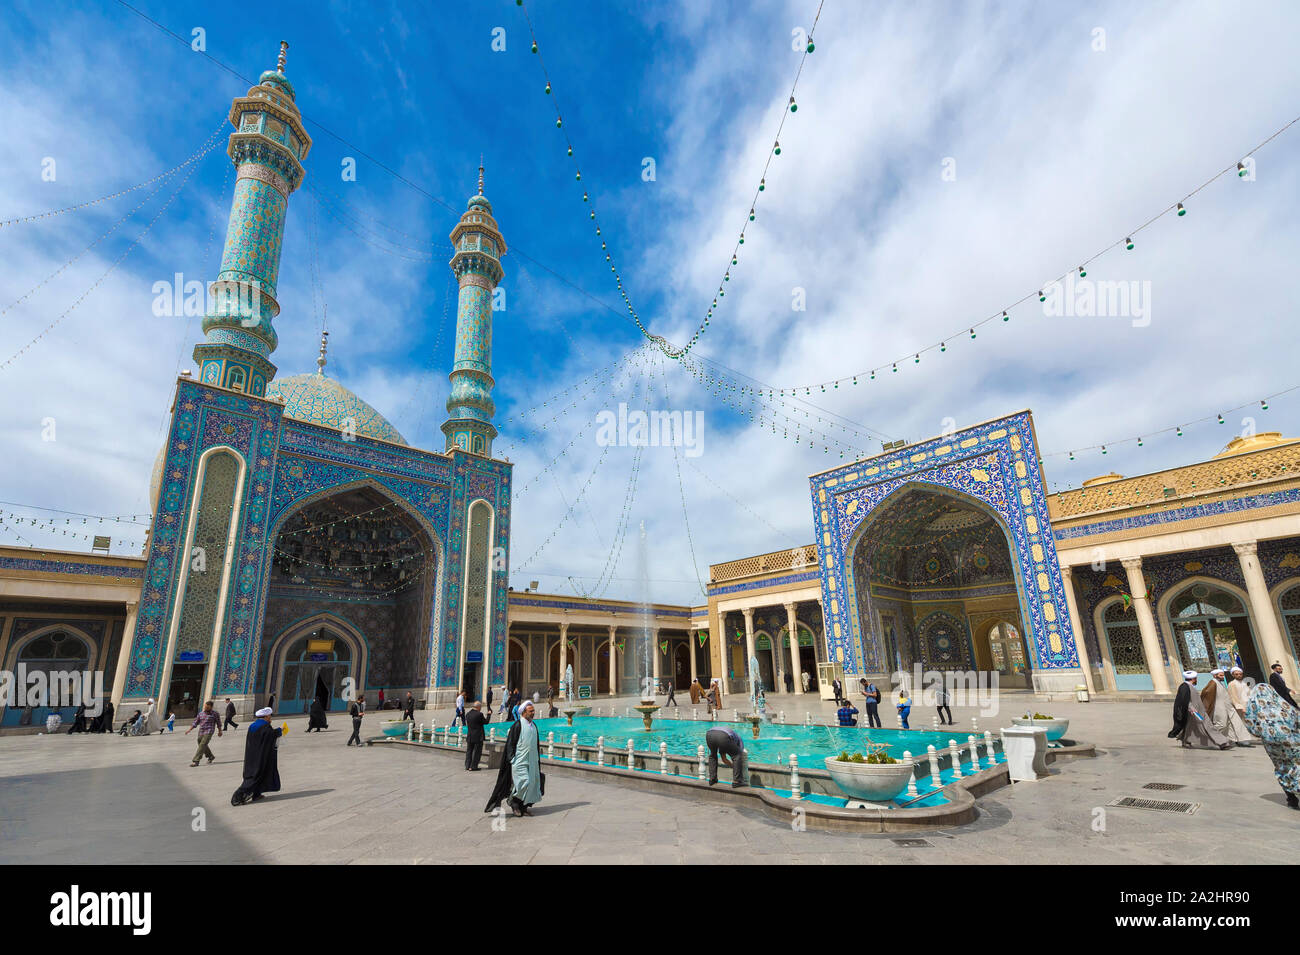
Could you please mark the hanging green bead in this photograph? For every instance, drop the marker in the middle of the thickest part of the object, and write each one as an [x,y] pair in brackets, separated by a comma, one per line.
[811,46]
[762,184]
[534,46]
[548,89]
[751,215]
[777,150]
[794,107]
[558,122]
[570,150]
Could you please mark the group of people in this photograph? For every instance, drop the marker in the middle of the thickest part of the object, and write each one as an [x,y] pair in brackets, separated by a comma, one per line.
[1231,712]
[847,714]
[712,697]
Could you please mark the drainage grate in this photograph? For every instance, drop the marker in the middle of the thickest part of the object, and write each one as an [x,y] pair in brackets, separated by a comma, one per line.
[1156,805]
[1165,787]
[912,843]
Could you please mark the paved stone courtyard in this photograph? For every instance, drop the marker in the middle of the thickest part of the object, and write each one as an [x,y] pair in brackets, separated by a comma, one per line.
[106,799]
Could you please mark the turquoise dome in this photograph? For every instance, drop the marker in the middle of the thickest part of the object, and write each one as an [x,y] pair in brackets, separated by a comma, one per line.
[320,400]
[276,78]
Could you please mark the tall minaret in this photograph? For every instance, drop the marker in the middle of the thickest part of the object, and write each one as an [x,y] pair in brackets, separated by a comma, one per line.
[476,263]
[267,148]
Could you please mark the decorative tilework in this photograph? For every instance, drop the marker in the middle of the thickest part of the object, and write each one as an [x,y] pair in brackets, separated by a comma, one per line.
[321,400]
[993,466]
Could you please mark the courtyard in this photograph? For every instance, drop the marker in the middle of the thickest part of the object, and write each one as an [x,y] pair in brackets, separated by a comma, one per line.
[111,800]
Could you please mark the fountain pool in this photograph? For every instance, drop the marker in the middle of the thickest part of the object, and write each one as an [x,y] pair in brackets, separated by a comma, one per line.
[775,743]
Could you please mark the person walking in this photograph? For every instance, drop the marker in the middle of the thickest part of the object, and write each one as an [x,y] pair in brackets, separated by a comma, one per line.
[207,723]
[171,723]
[356,710]
[805,680]
[381,697]
[838,689]
[1278,726]
[904,707]
[1279,685]
[261,766]
[475,720]
[872,694]
[316,721]
[230,715]
[672,693]
[1223,715]
[1191,723]
[789,682]
[408,708]
[460,709]
[696,691]
[520,778]
[942,699]
[727,744]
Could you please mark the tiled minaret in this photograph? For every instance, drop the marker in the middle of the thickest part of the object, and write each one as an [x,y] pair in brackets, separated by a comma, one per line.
[267,148]
[476,263]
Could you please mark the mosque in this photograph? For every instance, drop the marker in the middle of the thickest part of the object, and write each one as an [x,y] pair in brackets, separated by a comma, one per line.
[300,548]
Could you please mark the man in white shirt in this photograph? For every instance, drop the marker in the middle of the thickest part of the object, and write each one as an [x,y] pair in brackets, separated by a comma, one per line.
[460,709]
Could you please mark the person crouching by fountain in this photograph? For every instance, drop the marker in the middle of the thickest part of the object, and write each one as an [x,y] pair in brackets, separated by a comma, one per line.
[848,714]
[520,777]
[728,743]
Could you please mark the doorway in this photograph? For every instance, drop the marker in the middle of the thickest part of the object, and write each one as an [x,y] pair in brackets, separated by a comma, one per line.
[515,666]
[681,667]
[183,694]
[1212,629]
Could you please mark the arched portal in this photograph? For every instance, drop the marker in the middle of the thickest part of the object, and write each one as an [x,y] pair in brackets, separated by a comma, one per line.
[359,558]
[602,668]
[681,666]
[1212,628]
[924,564]
[515,657]
[315,660]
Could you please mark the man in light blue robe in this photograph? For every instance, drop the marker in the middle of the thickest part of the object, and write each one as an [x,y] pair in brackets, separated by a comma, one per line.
[525,763]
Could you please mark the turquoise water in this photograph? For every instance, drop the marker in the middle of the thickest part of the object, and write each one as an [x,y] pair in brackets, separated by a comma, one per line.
[775,742]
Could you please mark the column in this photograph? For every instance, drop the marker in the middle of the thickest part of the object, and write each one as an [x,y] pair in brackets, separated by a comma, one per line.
[1146,624]
[124,655]
[613,661]
[564,650]
[658,661]
[690,639]
[718,642]
[749,642]
[792,624]
[1263,615]
[1076,626]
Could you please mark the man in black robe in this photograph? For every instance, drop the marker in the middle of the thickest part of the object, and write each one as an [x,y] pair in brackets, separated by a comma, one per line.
[230,716]
[475,720]
[261,771]
[1279,685]
[408,707]
[505,775]
[317,719]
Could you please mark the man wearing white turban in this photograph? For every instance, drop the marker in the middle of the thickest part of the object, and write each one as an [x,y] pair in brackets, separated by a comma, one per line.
[261,767]
[1223,716]
[520,777]
[1191,725]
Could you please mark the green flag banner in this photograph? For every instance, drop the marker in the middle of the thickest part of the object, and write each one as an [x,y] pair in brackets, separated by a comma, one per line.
[663,646]
[704,637]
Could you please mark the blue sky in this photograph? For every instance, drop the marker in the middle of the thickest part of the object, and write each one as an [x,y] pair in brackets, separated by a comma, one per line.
[1059,148]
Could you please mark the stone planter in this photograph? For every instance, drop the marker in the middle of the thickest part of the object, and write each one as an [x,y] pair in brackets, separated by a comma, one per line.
[1055,728]
[395,727]
[872,782]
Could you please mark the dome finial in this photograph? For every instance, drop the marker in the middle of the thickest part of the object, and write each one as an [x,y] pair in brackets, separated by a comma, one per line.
[480,174]
[320,361]
[284,53]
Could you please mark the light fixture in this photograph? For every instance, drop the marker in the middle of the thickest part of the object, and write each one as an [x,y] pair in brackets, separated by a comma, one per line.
[1181,211]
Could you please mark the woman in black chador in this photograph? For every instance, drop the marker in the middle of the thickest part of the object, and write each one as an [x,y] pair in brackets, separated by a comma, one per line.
[317,720]
[261,773]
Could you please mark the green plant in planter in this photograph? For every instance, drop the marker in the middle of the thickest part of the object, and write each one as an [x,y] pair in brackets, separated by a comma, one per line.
[877,756]
[1039,716]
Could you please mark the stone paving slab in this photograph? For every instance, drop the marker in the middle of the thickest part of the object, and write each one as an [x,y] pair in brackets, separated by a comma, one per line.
[107,799]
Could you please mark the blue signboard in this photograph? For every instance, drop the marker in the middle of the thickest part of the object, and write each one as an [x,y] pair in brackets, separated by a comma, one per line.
[191,656]
[319,657]
[474,656]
